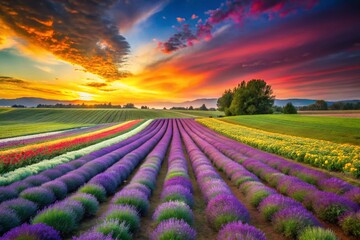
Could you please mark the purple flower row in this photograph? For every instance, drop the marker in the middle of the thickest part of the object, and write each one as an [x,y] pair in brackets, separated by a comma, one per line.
[174,216]
[223,208]
[320,179]
[123,217]
[255,191]
[13,190]
[107,181]
[300,189]
[68,133]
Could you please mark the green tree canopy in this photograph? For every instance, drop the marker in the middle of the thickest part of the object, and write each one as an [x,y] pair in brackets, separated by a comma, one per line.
[224,102]
[252,97]
[290,109]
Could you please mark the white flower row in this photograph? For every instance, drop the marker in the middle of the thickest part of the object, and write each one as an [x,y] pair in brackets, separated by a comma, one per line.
[33,169]
[36,135]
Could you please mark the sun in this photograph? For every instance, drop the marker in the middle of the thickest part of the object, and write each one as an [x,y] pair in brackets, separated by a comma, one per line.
[85,96]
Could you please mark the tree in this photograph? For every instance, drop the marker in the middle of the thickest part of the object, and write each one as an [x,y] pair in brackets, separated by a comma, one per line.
[290,109]
[321,105]
[203,107]
[253,97]
[129,105]
[224,102]
[191,108]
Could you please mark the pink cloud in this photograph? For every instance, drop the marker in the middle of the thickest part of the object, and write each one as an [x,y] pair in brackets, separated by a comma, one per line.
[180,20]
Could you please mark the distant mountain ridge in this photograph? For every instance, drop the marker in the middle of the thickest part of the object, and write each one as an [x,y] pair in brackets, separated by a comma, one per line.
[209,102]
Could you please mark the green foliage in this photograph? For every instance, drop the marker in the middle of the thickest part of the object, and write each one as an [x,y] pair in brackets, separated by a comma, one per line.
[90,204]
[61,220]
[131,220]
[203,108]
[350,223]
[248,98]
[343,130]
[317,233]
[95,190]
[224,102]
[289,109]
[318,105]
[140,204]
[115,229]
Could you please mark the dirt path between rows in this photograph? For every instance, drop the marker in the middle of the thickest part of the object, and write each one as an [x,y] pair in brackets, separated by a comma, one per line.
[202,228]
[147,225]
[90,222]
[256,219]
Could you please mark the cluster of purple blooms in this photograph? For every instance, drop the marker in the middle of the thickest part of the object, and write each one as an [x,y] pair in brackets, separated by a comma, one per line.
[223,208]
[329,208]
[255,191]
[174,217]
[73,175]
[123,217]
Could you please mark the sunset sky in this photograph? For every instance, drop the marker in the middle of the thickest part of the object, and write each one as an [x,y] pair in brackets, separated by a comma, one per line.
[144,51]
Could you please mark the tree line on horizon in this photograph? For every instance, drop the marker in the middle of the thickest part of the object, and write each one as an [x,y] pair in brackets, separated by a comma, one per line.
[256,97]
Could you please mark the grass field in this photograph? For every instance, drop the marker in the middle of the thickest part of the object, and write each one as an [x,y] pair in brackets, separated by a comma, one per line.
[339,130]
[16,122]
[12,129]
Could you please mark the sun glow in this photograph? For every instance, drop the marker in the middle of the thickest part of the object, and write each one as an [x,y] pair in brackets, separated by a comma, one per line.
[85,96]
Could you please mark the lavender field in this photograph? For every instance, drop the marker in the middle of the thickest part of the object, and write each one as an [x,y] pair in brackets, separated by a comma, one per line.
[175,179]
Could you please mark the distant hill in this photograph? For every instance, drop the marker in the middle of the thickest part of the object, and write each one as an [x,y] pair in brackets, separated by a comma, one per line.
[209,102]
[304,102]
[33,102]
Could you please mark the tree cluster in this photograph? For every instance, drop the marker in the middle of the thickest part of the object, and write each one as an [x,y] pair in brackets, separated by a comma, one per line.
[345,106]
[252,97]
[83,105]
[18,106]
[318,105]
[202,108]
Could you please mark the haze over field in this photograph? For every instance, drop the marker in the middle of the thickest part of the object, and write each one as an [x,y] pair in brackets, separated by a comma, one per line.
[175,51]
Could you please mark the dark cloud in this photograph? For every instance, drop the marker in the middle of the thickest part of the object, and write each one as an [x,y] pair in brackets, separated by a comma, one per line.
[96,84]
[10,80]
[104,87]
[26,85]
[232,10]
[81,32]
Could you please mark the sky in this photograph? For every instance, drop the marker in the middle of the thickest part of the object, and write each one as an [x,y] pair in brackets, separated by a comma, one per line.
[145,51]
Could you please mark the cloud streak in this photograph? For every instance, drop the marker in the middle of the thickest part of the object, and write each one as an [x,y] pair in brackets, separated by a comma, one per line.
[236,11]
[79,32]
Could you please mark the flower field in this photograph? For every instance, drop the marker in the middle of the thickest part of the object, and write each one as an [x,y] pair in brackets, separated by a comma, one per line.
[11,159]
[153,176]
[319,153]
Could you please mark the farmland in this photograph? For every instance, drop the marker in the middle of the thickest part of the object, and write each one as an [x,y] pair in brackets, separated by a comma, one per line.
[16,122]
[334,129]
[171,179]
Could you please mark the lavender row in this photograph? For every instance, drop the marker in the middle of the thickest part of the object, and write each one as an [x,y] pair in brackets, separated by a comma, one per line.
[299,189]
[287,216]
[68,133]
[13,190]
[330,184]
[326,205]
[320,179]
[223,208]
[123,217]
[174,217]
[33,169]
[59,188]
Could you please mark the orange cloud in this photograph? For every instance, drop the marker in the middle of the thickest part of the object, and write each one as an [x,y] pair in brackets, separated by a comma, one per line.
[71,31]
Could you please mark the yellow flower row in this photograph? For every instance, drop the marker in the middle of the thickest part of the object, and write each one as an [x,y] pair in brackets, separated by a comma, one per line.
[319,153]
